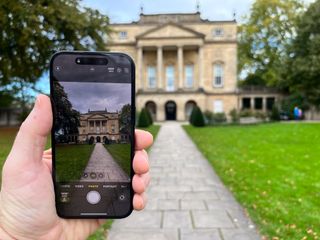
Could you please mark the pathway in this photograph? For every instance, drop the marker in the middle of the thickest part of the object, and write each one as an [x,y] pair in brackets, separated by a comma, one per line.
[102,167]
[187,200]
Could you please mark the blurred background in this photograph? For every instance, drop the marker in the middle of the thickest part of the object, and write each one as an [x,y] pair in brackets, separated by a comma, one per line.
[242,77]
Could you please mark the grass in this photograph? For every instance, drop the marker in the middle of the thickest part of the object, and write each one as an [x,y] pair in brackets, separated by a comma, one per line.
[73,160]
[121,154]
[273,171]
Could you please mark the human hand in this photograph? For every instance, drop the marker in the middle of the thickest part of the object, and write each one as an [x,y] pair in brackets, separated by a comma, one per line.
[27,202]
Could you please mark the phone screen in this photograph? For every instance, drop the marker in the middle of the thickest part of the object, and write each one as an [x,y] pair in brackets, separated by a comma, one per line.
[93,133]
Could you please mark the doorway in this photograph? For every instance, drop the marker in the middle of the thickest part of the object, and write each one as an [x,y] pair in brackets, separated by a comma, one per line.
[171,110]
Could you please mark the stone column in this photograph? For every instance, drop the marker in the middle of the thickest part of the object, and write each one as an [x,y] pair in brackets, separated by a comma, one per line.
[199,82]
[180,66]
[252,103]
[159,66]
[264,104]
[140,68]
[100,126]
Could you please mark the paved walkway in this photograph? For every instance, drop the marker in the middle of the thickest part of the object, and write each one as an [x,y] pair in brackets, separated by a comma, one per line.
[186,198]
[102,167]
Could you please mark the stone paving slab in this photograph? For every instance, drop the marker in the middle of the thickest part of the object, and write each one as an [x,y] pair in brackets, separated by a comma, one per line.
[187,200]
[103,167]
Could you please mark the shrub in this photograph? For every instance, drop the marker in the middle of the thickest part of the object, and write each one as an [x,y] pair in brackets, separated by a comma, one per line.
[208,115]
[149,116]
[234,115]
[91,140]
[192,115]
[219,117]
[143,120]
[106,141]
[197,118]
[275,114]
[260,115]
[246,113]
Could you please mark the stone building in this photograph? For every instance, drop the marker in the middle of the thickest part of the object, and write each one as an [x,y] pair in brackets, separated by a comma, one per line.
[183,60]
[99,126]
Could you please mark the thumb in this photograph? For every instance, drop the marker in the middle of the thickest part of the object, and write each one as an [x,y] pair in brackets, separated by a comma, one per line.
[27,150]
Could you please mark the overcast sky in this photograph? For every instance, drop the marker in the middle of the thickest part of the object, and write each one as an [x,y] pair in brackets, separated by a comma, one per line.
[128,10]
[97,96]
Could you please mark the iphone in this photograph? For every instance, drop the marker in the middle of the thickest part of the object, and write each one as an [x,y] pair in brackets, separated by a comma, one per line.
[93,102]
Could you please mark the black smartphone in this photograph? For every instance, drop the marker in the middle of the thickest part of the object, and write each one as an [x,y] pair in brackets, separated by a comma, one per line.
[93,102]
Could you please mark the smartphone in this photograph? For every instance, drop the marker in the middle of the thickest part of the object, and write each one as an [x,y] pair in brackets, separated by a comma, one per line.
[93,102]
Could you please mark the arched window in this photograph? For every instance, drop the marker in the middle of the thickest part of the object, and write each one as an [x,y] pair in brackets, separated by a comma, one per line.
[218,73]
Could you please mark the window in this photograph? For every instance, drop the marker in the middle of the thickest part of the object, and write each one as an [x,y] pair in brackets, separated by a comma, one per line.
[258,102]
[170,78]
[246,103]
[217,75]
[189,76]
[151,71]
[270,102]
[218,32]
[123,35]
[217,106]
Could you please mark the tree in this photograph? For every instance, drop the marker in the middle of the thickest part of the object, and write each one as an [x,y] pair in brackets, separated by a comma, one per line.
[303,69]
[143,120]
[197,119]
[67,120]
[125,119]
[31,31]
[264,39]
[275,114]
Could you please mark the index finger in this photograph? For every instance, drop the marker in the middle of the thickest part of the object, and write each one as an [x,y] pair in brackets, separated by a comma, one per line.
[143,139]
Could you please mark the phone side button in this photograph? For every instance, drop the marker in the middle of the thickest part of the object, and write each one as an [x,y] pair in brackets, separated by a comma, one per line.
[93,197]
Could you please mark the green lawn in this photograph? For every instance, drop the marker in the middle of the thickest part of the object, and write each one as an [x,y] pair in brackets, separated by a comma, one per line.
[273,170]
[121,154]
[72,160]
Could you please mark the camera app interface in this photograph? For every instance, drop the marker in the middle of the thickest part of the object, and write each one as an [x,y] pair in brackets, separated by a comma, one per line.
[92,134]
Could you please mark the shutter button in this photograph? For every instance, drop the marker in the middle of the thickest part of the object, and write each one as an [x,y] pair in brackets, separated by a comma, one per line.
[93,197]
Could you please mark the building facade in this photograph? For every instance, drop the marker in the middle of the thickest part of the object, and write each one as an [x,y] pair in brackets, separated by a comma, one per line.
[182,60]
[97,126]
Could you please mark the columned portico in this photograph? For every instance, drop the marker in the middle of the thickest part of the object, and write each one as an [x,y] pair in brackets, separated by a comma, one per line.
[159,63]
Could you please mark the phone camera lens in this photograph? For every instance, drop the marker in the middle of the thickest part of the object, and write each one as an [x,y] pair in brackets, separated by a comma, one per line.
[58,68]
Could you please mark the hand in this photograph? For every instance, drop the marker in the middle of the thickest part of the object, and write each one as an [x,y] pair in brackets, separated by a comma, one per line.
[27,203]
